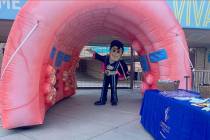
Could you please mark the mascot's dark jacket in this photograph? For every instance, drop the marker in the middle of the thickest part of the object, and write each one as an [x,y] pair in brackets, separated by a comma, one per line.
[116,68]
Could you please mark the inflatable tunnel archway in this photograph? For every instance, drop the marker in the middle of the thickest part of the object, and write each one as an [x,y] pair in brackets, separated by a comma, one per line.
[46,39]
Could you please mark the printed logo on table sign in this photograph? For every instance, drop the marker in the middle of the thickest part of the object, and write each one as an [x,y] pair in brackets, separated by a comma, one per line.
[166,114]
[164,128]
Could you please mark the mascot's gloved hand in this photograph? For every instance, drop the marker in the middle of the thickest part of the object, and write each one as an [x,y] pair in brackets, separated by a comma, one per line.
[128,78]
[107,72]
[109,67]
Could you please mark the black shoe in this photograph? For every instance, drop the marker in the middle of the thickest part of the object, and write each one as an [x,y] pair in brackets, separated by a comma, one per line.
[100,103]
[114,103]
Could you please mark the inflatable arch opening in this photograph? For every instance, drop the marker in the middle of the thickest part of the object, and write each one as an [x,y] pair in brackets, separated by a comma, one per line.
[46,39]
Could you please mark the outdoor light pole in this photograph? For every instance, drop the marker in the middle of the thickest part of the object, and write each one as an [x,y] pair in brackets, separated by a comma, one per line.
[132,69]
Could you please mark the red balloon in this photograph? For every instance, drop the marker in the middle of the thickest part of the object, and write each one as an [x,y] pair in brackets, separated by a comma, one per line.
[51,79]
[50,70]
[49,99]
[137,47]
[47,88]
[149,79]
[51,96]
[66,88]
[143,87]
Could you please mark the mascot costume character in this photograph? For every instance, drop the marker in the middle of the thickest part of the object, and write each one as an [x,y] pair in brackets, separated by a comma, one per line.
[114,67]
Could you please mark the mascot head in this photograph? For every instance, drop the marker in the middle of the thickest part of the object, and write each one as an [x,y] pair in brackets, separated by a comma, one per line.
[116,50]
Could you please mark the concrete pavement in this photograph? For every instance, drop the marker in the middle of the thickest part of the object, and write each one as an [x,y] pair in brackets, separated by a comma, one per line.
[76,118]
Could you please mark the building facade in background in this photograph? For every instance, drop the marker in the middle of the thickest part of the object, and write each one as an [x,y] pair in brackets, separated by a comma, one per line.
[194,17]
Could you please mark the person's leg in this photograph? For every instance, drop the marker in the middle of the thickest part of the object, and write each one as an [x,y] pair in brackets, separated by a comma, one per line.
[103,98]
[114,98]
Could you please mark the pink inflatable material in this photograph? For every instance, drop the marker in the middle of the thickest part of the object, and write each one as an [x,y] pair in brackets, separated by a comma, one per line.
[44,44]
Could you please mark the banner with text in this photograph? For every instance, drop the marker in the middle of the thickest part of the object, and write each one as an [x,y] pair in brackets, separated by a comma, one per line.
[10,8]
[190,14]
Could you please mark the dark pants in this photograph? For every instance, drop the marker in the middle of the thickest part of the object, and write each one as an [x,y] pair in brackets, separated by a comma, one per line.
[112,81]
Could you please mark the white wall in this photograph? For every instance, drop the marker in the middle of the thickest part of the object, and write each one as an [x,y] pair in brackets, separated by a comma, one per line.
[94,69]
[207,63]
[199,58]
[91,67]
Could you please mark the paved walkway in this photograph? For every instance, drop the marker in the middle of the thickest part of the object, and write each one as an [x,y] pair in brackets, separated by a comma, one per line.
[76,118]
[84,80]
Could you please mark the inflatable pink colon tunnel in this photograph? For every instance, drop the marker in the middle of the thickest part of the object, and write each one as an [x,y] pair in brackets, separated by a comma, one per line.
[44,44]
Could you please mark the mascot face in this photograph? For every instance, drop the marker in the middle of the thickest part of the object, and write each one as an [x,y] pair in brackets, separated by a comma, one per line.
[115,53]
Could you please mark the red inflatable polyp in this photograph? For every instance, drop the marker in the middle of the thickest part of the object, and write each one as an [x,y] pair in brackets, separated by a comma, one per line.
[46,39]
[149,79]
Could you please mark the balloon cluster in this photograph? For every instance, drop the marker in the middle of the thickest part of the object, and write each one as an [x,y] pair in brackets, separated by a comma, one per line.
[49,87]
[148,81]
[67,81]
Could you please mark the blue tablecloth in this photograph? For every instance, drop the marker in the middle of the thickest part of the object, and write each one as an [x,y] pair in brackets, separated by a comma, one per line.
[170,119]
